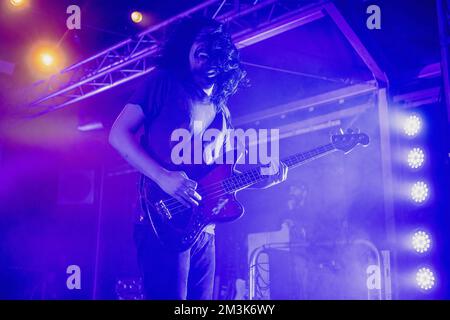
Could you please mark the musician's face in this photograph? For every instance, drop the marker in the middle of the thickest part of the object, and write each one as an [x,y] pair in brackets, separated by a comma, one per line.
[200,62]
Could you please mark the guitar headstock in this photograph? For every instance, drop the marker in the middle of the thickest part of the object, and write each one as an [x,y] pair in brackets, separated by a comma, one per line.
[348,140]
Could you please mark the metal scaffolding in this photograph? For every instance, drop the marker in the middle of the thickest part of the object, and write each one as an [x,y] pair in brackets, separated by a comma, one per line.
[248,21]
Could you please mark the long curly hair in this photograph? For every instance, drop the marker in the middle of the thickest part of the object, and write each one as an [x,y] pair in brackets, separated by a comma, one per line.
[174,56]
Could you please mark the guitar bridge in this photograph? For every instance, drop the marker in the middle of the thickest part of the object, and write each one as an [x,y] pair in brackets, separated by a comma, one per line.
[163,210]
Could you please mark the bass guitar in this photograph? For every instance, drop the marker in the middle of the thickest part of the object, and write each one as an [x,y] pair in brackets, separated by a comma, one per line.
[178,226]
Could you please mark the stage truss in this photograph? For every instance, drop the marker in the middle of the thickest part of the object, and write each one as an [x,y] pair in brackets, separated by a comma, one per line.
[249,21]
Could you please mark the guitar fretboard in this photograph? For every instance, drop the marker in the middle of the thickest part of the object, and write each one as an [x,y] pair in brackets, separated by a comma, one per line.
[246,179]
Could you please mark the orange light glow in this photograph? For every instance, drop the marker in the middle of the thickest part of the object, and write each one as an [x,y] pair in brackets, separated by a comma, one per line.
[137,17]
[18,3]
[45,59]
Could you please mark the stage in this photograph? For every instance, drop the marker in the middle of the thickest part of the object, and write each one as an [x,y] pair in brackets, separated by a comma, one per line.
[348,101]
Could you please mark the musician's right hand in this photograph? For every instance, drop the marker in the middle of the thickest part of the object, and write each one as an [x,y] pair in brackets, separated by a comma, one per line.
[178,185]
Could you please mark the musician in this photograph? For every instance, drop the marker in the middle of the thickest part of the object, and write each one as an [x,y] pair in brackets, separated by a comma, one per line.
[198,69]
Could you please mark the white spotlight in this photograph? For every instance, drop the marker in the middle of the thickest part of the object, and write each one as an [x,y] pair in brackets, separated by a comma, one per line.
[419,192]
[421,241]
[425,278]
[416,158]
[412,125]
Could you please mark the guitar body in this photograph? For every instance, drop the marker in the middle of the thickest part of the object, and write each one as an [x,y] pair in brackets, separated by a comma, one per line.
[177,226]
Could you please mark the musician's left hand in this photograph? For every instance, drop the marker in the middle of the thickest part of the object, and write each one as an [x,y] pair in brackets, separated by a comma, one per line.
[276,173]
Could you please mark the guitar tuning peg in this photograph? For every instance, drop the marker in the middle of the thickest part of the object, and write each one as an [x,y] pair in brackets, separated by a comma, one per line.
[341,131]
[349,131]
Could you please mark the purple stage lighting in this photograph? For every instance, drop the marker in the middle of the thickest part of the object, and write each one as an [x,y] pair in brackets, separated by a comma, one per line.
[425,279]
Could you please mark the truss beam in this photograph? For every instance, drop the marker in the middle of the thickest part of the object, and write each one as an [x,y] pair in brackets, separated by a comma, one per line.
[134,57]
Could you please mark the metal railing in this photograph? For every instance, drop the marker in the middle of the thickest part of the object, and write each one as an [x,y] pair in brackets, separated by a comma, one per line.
[257,292]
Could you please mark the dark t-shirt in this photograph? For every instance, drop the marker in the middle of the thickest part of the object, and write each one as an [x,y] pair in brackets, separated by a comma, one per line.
[169,105]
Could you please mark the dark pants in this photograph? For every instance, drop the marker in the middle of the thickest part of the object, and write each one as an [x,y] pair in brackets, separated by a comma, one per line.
[171,275]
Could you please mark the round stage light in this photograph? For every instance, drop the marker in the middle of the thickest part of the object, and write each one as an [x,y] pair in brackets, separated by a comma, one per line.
[47,59]
[412,125]
[416,158]
[419,192]
[136,16]
[425,279]
[421,241]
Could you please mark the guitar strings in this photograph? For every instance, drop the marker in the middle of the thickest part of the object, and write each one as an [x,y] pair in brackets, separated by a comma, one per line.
[328,148]
[174,201]
[216,193]
[221,186]
[173,204]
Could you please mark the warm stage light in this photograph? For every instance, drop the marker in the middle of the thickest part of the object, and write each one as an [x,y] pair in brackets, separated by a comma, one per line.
[412,125]
[136,16]
[425,279]
[416,157]
[17,3]
[47,59]
[419,192]
[421,241]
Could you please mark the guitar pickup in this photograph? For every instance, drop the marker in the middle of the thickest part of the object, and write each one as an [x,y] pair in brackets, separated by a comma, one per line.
[162,209]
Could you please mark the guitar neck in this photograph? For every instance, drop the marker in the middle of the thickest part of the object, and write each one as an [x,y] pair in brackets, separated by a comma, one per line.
[303,157]
[248,178]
